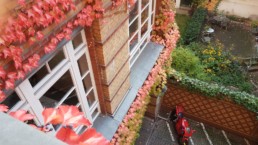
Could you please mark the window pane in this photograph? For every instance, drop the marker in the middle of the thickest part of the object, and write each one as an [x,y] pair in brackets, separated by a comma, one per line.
[133,58]
[91,98]
[134,11]
[144,3]
[143,44]
[38,76]
[95,112]
[56,59]
[152,19]
[87,83]
[144,29]
[153,3]
[72,99]
[57,91]
[133,42]
[77,40]
[11,100]
[83,65]
[133,28]
[145,14]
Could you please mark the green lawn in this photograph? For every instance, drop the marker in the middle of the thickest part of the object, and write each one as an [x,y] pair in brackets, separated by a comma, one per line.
[182,21]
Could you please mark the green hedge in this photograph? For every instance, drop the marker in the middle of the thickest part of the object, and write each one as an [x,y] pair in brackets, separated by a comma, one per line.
[194,27]
[249,101]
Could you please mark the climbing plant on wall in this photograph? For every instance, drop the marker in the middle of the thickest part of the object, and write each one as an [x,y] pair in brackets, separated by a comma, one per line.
[25,29]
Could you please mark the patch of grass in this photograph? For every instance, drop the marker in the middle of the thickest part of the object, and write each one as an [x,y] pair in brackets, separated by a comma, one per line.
[182,21]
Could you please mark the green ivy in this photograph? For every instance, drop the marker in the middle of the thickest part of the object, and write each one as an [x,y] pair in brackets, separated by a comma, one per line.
[249,101]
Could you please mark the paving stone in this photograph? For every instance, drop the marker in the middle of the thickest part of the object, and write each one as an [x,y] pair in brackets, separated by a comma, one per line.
[199,137]
[160,135]
[235,140]
[216,135]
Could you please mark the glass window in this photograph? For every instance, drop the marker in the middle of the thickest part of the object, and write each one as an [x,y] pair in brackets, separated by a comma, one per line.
[56,59]
[144,28]
[11,100]
[153,4]
[143,44]
[54,95]
[133,28]
[83,65]
[145,14]
[87,83]
[38,76]
[72,99]
[133,42]
[133,12]
[144,3]
[91,98]
[95,112]
[77,40]
[152,18]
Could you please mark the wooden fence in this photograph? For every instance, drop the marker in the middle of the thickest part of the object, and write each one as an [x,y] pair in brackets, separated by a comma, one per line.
[221,113]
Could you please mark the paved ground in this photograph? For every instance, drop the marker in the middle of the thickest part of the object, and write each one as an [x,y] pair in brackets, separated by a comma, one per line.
[243,8]
[161,132]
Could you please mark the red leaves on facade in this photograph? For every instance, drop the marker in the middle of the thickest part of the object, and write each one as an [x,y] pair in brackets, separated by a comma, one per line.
[3,108]
[21,115]
[40,35]
[21,2]
[9,84]
[2,73]
[89,137]
[65,115]
[2,97]
[70,117]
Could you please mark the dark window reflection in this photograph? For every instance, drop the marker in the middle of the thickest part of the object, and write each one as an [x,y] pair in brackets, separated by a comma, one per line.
[133,42]
[144,14]
[56,59]
[57,91]
[91,98]
[38,76]
[72,99]
[133,12]
[77,40]
[83,65]
[133,28]
[144,29]
[87,83]
[11,100]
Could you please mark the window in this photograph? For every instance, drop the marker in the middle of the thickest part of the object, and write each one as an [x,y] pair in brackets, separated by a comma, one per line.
[140,26]
[11,100]
[48,68]
[66,78]
[58,91]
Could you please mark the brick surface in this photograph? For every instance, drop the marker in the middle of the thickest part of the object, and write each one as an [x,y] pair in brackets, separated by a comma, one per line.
[115,65]
[112,105]
[110,90]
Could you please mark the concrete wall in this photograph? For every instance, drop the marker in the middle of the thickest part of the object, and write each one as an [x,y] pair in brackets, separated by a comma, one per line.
[242,8]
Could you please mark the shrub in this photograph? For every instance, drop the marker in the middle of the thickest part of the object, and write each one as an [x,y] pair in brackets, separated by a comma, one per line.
[221,66]
[249,101]
[194,27]
[185,61]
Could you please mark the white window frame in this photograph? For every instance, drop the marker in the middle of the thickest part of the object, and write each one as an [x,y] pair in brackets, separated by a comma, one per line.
[31,95]
[136,50]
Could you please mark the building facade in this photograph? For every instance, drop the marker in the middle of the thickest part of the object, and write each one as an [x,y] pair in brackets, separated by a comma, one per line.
[92,70]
